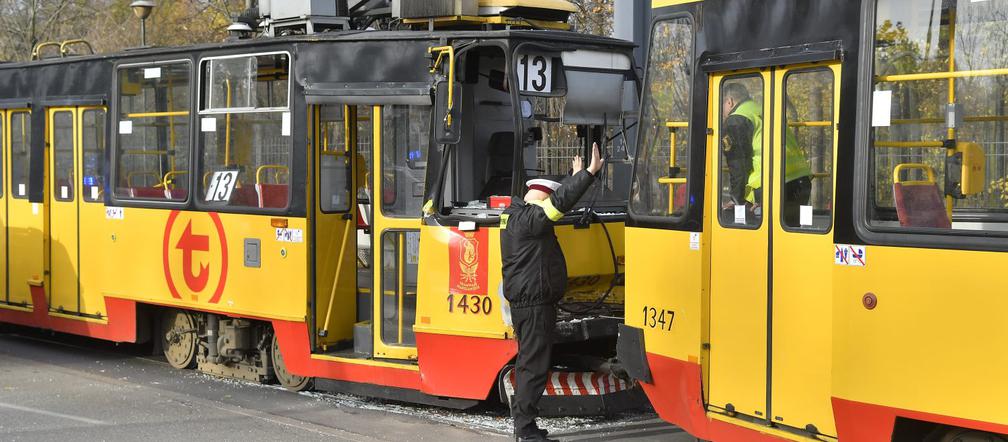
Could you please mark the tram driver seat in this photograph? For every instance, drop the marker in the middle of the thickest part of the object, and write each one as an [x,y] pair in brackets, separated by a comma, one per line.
[501,165]
[919,203]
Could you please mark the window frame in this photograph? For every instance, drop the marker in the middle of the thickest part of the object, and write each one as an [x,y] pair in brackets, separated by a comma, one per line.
[765,194]
[196,164]
[345,112]
[684,221]
[380,160]
[72,184]
[102,154]
[919,237]
[10,113]
[833,147]
[112,143]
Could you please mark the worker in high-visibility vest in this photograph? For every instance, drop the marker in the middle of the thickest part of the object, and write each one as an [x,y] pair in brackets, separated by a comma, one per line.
[742,146]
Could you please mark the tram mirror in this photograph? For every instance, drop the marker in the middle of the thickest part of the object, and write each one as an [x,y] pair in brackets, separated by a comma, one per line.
[593,98]
[447,115]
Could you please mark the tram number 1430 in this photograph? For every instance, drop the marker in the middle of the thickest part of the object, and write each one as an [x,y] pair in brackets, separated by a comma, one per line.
[658,318]
[474,304]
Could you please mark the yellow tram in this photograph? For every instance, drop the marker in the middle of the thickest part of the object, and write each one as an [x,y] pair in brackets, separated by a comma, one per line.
[320,209]
[867,309]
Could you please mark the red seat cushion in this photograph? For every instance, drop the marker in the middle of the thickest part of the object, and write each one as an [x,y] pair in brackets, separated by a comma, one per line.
[272,196]
[244,196]
[147,192]
[920,205]
[177,194]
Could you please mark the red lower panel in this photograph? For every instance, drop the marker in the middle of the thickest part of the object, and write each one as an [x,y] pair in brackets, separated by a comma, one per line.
[121,325]
[294,344]
[857,421]
[461,366]
[678,398]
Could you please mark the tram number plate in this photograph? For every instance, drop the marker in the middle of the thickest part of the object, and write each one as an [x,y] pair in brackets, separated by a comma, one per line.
[535,73]
[470,304]
[221,184]
[658,318]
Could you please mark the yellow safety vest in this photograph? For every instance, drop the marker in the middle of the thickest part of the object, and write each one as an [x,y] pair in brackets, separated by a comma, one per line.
[796,165]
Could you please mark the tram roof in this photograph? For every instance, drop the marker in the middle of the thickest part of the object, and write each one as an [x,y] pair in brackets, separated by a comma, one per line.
[337,37]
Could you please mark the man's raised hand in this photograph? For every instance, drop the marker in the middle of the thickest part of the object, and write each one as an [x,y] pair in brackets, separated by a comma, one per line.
[596,160]
[577,165]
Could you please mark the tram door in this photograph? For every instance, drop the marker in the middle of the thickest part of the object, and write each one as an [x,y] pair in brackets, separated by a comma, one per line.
[68,131]
[402,136]
[771,249]
[23,218]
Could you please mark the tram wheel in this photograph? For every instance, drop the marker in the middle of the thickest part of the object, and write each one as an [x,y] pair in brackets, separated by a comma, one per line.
[967,435]
[287,379]
[179,338]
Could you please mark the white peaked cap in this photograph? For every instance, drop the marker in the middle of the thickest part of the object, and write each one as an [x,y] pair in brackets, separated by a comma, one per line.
[548,186]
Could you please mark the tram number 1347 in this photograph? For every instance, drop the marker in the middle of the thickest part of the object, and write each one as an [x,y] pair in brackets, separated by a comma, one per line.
[474,304]
[658,318]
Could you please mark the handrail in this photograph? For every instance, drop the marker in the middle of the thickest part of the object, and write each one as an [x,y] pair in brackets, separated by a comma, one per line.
[36,51]
[442,50]
[909,144]
[158,114]
[280,169]
[169,177]
[63,46]
[941,75]
[823,123]
[919,166]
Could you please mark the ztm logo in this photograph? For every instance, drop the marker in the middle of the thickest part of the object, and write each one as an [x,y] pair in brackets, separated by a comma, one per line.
[188,252]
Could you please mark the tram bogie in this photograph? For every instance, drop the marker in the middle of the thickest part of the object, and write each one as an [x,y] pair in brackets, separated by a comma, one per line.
[321,210]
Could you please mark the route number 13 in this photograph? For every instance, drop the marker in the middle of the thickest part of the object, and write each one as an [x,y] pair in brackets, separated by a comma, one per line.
[535,73]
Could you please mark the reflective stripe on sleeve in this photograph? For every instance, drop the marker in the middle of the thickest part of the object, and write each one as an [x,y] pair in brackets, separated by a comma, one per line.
[551,212]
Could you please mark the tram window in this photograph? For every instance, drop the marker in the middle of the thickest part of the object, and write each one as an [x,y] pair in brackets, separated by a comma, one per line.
[807,193]
[550,147]
[939,151]
[405,138]
[93,151]
[151,156]
[334,160]
[245,132]
[63,156]
[400,258]
[663,160]
[20,131]
[3,149]
[740,142]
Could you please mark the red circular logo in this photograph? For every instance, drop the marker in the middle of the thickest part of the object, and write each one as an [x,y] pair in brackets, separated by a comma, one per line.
[193,245]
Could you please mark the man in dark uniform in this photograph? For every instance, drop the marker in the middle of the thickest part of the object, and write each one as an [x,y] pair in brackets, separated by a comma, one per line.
[535,278]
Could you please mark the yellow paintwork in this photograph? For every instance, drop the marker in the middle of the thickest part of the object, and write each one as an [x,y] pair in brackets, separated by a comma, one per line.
[62,216]
[933,342]
[802,321]
[738,288]
[25,224]
[4,192]
[368,362]
[663,3]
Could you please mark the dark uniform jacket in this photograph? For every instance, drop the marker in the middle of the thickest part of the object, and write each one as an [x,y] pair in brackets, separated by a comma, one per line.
[736,145]
[535,272]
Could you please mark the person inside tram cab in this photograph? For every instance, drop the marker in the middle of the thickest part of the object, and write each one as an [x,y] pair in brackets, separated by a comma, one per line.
[742,146]
[535,279]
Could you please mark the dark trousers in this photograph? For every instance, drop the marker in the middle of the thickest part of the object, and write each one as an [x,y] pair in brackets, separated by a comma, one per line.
[534,327]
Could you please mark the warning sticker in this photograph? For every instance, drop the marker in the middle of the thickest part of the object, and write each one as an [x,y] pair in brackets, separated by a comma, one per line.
[849,255]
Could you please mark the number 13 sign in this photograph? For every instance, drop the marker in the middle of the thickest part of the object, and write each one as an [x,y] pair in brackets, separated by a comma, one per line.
[535,73]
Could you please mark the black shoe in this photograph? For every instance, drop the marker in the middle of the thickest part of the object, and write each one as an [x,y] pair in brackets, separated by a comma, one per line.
[538,437]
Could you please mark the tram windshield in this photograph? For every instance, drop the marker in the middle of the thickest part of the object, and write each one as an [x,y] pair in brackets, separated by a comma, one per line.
[939,151]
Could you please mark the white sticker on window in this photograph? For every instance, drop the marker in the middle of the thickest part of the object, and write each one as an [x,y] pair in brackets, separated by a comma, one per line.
[412,248]
[805,215]
[114,213]
[64,192]
[881,108]
[221,184]
[152,73]
[849,255]
[694,240]
[535,73]
[337,201]
[208,124]
[740,213]
[285,125]
[94,192]
[21,189]
[289,235]
[34,208]
[125,127]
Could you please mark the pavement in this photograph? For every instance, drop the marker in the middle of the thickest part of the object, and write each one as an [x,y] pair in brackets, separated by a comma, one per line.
[59,388]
